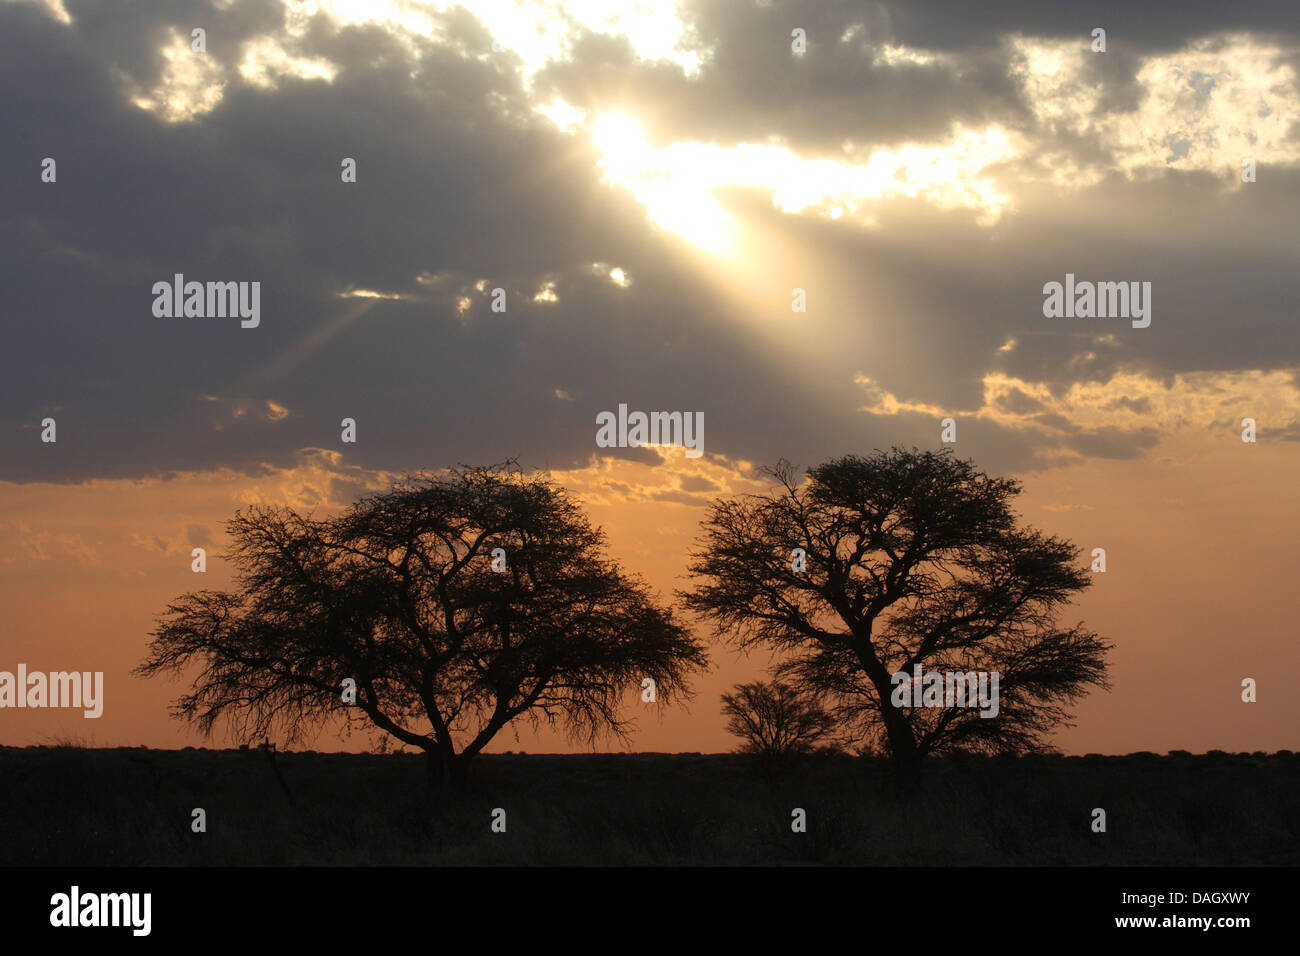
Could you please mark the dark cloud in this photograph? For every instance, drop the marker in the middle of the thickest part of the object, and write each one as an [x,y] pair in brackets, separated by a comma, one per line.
[1018,403]
[750,86]
[1147,27]
[460,182]
[1113,443]
[198,534]
[698,483]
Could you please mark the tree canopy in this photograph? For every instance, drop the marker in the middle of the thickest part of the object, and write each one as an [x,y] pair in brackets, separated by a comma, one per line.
[904,558]
[446,638]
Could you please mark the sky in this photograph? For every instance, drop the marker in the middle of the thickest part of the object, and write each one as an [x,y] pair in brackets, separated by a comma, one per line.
[654,186]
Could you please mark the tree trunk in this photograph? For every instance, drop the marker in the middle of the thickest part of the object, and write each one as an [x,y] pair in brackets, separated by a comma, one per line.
[447,771]
[902,747]
[436,768]
[898,730]
[907,764]
[459,773]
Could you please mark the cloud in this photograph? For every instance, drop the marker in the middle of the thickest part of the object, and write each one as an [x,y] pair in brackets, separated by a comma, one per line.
[377,295]
[1119,418]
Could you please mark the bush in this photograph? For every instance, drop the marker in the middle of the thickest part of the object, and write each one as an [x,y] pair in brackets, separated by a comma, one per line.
[775,719]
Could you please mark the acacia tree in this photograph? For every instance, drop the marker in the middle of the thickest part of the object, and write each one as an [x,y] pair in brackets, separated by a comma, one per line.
[775,719]
[907,558]
[405,600]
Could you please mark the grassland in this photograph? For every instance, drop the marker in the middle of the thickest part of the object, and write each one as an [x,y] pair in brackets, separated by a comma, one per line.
[132,806]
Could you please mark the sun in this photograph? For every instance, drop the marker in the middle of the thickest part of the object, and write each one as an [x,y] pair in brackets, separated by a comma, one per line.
[674,199]
[622,143]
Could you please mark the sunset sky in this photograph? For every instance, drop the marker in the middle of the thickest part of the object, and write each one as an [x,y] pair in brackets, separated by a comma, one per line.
[649,182]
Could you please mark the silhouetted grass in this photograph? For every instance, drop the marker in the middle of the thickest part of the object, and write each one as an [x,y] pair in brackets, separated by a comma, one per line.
[76,806]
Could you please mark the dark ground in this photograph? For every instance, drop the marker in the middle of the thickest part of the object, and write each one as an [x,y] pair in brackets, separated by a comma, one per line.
[132,806]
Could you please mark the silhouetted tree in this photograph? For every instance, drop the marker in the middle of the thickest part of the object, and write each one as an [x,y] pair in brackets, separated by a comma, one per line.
[911,558]
[399,594]
[775,719]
